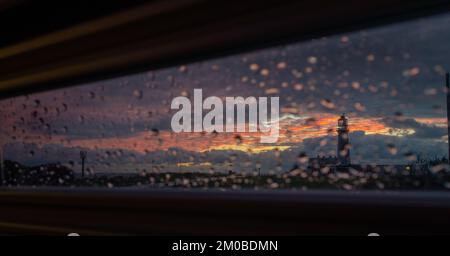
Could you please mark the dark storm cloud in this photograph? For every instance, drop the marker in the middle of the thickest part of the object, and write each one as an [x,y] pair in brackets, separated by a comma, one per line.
[389,149]
[414,44]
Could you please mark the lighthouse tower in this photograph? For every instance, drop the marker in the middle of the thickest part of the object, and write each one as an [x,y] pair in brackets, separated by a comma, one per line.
[343,146]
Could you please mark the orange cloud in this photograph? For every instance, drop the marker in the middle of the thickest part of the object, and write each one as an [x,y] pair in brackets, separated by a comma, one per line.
[290,133]
[437,121]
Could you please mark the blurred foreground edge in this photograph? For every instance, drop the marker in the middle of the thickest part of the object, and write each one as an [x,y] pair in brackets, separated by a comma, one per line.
[191,212]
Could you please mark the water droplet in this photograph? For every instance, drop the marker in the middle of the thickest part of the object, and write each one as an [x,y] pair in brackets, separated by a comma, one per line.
[254,67]
[264,72]
[327,103]
[410,156]
[360,107]
[183,69]
[356,85]
[238,139]
[430,91]
[296,73]
[344,39]
[272,91]
[155,132]
[392,149]
[137,94]
[373,88]
[298,87]
[312,60]
[215,67]
[37,103]
[281,65]
[302,158]
[411,72]
[439,70]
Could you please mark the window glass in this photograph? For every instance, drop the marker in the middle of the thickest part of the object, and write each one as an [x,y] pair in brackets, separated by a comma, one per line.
[363,110]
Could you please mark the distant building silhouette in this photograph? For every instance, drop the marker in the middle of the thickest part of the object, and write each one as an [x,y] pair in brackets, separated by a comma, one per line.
[343,145]
[322,161]
[52,174]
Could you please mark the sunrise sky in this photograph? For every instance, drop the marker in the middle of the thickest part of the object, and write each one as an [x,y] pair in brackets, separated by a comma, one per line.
[389,81]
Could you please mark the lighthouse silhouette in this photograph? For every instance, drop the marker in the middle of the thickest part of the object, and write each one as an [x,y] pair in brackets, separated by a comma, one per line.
[343,145]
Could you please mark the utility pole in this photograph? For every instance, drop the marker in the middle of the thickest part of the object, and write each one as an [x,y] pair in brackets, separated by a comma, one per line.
[83,155]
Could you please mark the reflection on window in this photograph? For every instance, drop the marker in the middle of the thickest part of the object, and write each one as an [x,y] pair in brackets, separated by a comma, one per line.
[365,110]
